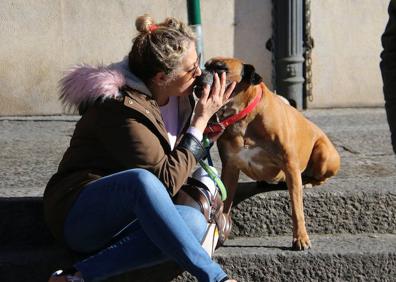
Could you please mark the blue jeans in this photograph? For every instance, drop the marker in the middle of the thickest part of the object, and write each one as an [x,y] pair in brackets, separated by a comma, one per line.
[129,220]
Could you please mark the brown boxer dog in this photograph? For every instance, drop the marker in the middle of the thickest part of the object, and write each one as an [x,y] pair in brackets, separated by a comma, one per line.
[272,143]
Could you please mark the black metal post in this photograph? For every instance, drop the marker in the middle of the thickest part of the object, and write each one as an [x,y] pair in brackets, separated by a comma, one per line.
[288,49]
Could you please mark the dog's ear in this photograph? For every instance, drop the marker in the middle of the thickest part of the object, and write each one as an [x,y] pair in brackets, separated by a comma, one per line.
[249,74]
[216,66]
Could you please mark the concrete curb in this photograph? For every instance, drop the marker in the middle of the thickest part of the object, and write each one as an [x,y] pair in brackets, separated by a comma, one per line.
[365,205]
[331,209]
[364,257]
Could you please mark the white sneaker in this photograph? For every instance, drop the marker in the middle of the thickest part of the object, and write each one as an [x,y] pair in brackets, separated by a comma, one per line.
[64,276]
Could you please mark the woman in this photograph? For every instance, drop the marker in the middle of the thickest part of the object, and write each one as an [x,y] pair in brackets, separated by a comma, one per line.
[135,145]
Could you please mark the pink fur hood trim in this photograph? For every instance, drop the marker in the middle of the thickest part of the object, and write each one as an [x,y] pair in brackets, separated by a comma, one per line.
[85,84]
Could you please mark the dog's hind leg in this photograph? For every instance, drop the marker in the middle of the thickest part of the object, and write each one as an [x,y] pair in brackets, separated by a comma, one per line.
[324,163]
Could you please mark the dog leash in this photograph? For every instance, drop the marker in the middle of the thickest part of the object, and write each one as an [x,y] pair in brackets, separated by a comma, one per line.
[212,174]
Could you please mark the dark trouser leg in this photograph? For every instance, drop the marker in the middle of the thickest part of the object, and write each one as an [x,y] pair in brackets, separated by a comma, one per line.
[388,70]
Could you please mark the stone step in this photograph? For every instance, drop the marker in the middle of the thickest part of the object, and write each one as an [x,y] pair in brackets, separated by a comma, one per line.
[342,205]
[22,222]
[360,205]
[363,257]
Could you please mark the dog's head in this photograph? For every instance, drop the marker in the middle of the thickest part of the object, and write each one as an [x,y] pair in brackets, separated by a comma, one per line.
[243,74]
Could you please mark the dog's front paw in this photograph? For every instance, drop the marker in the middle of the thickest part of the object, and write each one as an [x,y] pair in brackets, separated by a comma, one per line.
[301,243]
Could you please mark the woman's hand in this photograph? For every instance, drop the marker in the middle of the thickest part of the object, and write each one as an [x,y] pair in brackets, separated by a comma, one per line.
[212,99]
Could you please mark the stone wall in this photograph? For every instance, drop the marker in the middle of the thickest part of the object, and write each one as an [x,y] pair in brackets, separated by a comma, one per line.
[347,51]
[42,38]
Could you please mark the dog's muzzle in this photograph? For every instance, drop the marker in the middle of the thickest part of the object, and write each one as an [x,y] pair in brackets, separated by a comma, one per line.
[206,78]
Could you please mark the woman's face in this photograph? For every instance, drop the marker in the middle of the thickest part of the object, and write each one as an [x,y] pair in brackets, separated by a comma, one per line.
[183,82]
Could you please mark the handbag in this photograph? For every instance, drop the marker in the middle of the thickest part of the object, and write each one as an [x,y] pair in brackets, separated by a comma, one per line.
[201,194]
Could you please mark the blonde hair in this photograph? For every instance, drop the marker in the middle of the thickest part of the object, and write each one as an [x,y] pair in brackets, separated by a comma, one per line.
[158,47]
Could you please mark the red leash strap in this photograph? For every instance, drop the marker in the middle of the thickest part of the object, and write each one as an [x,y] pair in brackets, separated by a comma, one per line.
[219,127]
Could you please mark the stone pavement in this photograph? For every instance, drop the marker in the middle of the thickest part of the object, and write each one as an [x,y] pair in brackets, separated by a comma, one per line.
[351,219]
[31,147]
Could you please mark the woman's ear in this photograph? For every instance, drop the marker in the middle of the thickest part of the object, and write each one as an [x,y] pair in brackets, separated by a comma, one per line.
[160,78]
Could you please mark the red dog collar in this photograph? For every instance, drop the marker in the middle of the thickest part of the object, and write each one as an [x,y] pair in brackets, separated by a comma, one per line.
[219,127]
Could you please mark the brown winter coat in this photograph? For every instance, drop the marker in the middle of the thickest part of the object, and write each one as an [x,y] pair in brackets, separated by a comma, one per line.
[112,136]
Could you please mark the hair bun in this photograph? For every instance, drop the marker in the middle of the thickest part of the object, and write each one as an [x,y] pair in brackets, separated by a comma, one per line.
[143,23]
